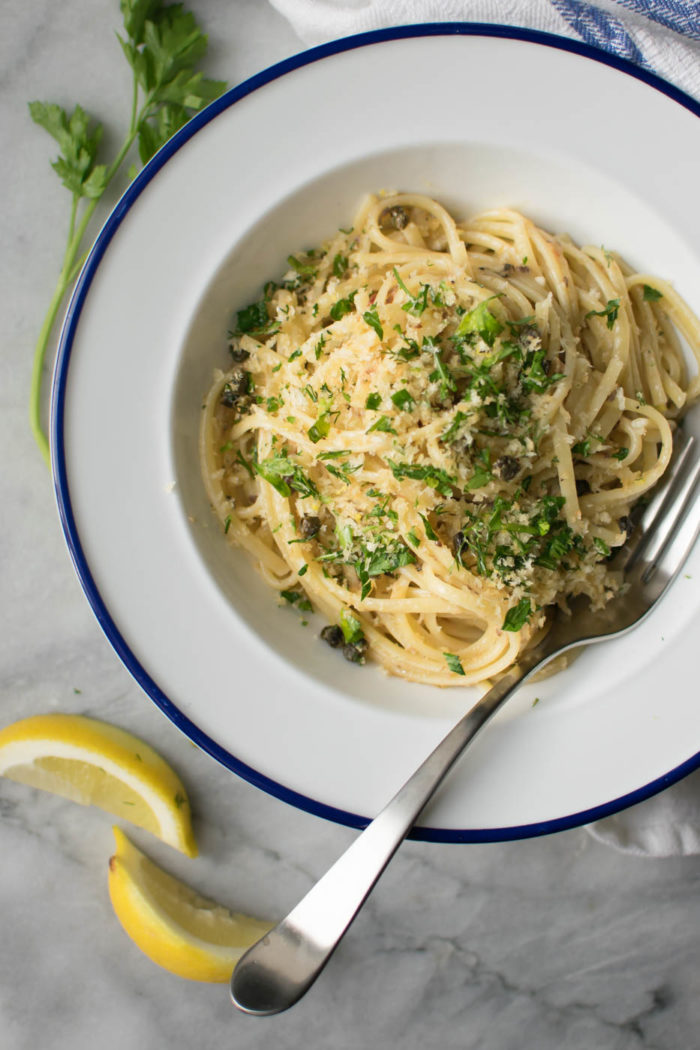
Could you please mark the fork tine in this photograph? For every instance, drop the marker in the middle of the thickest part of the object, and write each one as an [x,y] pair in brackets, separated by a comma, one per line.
[682,447]
[673,540]
[659,516]
[673,508]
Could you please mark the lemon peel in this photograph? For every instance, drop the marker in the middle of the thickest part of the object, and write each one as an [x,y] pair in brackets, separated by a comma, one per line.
[98,764]
[187,934]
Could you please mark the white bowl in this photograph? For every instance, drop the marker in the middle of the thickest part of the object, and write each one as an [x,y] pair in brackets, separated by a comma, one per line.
[479,117]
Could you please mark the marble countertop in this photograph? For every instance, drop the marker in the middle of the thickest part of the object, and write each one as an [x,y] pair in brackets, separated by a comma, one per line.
[551,943]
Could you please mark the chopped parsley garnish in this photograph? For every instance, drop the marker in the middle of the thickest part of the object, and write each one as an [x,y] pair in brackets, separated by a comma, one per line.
[320,428]
[383,424]
[380,559]
[403,400]
[304,269]
[482,471]
[480,321]
[254,320]
[454,663]
[518,616]
[601,546]
[318,349]
[441,373]
[284,475]
[351,627]
[244,463]
[622,453]
[373,401]
[340,264]
[343,307]
[371,317]
[415,304]
[297,598]
[651,295]
[429,530]
[609,311]
[452,432]
[435,477]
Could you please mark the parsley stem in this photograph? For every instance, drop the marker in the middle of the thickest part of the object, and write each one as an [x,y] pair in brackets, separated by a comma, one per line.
[69,273]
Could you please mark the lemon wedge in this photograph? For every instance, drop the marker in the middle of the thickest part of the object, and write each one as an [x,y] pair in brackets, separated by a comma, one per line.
[98,764]
[184,933]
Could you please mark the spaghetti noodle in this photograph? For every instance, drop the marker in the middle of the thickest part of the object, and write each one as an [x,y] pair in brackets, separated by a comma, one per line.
[432,431]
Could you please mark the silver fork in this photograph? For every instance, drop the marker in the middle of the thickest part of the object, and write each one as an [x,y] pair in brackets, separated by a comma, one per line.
[277,971]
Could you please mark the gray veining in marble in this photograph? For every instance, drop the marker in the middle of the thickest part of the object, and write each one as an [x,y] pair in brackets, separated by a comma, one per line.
[552,944]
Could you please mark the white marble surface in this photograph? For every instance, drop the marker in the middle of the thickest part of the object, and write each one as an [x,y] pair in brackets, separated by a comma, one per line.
[557,943]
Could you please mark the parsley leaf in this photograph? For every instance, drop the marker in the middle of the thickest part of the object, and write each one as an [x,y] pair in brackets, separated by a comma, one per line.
[454,663]
[254,319]
[403,400]
[480,321]
[343,307]
[518,615]
[340,264]
[429,530]
[435,477]
[79,143]
[320,428]
[609,311]
[373,401]
[371,317]
[651,295]
[383,424]
[304,269]
[284,475]
[163,45]
[482,471]
[351,627]
[415,304]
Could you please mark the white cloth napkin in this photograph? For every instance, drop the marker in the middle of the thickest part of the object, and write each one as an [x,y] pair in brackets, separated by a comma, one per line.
[658,35]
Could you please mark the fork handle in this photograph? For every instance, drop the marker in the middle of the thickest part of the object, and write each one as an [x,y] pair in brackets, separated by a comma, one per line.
[277,971]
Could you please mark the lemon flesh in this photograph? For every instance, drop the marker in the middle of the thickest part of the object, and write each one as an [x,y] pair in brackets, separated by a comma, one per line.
[97,764]
[173,925]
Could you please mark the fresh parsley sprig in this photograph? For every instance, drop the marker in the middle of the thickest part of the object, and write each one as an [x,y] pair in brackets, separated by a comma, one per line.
[163,45]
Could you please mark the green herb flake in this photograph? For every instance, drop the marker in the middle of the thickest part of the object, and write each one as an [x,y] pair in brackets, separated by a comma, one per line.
[382,424]
[622,453]
[340,264]
[609,311]
[651,295]
[454,663]
[429,530]
[601,546]
[517,617]
[403,400]
[371,317]
[373,401]
[304,269]
[480,321]
[435,477]
[343,307]
[320,428]
[351,628]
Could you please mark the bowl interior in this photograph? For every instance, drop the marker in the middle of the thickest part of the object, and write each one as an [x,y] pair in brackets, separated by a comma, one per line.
[560,195]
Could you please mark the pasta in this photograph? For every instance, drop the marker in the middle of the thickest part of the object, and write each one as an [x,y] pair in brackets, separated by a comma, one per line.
[432,431]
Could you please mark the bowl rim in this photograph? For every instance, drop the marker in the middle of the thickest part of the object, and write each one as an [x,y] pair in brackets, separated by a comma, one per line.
[58,396]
